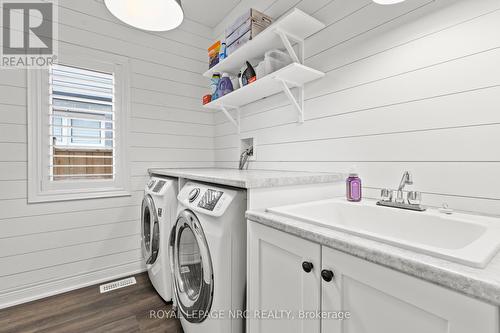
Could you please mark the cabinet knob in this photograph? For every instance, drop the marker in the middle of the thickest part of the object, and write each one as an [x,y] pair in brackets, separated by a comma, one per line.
[327,275]
[307,266]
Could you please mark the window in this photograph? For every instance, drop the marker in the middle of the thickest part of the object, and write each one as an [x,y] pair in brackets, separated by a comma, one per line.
[81,123]
[78,118]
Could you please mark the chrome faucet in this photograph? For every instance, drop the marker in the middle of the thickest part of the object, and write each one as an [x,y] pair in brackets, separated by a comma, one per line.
[406,180]
[405,200]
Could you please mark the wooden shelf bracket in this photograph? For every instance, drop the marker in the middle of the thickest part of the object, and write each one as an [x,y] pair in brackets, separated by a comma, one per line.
[235,121]
[298,103]
[285,38]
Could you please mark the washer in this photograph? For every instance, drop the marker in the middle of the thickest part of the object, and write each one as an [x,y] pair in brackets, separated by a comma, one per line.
[208,258]
[158,212]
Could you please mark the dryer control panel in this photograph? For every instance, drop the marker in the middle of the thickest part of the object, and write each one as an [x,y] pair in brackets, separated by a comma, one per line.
[210,200]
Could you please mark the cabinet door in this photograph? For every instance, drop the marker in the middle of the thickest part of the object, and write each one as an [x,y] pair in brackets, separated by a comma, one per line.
[278,282]
[382,300]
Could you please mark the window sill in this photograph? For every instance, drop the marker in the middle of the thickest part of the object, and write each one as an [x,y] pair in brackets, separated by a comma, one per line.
[56,197]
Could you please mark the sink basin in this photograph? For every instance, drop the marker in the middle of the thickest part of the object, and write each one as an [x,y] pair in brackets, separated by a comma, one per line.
[466,239]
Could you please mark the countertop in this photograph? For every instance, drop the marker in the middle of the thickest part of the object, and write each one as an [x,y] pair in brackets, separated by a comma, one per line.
[482,284]
[250,178]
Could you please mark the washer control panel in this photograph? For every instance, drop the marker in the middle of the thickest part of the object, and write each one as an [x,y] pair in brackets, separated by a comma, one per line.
[210,199]
[207,199]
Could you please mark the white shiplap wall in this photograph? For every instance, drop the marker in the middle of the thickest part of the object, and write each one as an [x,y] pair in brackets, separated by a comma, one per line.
[413,86]
[50,247]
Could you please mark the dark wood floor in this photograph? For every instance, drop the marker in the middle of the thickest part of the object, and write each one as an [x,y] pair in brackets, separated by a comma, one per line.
[86,310]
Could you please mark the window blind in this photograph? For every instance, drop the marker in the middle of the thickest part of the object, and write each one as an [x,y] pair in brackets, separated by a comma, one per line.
[82,124]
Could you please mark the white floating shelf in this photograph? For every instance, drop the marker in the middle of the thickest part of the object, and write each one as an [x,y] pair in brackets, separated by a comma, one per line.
[293,27]
[296,24]
[295,75]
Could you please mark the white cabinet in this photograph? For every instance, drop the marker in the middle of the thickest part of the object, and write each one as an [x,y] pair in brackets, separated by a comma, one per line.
[277,281]
[378,299]
[382,300]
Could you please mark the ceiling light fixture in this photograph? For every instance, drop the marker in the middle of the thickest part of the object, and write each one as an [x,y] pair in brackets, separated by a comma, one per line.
[387,2]
[152,15]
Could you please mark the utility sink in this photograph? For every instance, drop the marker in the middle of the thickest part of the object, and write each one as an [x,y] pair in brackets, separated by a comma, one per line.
[466,239]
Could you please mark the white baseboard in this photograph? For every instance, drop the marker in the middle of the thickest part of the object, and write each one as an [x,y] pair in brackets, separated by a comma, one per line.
[54,287]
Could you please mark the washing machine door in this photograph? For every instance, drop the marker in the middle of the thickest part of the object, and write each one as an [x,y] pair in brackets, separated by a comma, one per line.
[191,267]
[150,230]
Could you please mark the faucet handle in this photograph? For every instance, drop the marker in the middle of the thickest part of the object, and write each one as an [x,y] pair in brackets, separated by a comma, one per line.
[386,194]
[414,197]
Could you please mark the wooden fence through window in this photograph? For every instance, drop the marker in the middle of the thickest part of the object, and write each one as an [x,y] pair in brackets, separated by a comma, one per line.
[84,162]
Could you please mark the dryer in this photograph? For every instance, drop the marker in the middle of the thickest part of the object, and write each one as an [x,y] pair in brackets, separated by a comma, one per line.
[208,258]
[158,212]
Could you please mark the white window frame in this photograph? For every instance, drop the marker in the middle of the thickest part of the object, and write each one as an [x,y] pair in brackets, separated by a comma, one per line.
[40,187]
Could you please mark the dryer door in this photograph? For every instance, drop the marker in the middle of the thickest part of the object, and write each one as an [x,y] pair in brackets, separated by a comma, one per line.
[149,229]
[192,268]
